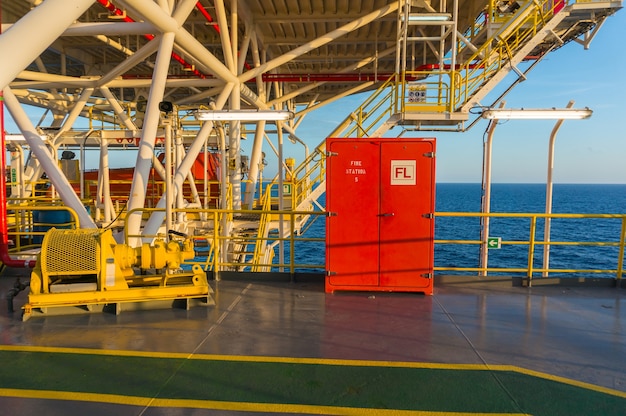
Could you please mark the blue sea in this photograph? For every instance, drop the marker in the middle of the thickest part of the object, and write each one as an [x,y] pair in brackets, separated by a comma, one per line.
[516,198]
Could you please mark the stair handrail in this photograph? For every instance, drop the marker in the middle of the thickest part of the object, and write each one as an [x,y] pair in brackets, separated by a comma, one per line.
[499,49]
[308,174]
[371,107]
[261,241]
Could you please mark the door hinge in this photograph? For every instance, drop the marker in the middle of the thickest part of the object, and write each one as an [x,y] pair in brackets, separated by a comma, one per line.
[330,273]
[429,215]
[427,275]
[329,153]
[331,214]
[429,154]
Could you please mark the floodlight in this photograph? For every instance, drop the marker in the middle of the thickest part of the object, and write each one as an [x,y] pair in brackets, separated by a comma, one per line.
[537,114]
[429,17]
[243,115]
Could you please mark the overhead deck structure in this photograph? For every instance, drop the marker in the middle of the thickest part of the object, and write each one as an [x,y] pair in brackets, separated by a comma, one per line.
[102,70]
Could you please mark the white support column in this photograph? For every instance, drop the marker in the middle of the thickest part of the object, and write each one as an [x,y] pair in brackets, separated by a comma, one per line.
[281,222]
[51,18]
[234,151]
[104,183]
[255,162]
[227,46]
[169,192]
[486,197]
[256,59]
[74,113]
[146,145]
[154,14]
[234,143]
[117,108]
[156,219]
[546,232]
[39,149]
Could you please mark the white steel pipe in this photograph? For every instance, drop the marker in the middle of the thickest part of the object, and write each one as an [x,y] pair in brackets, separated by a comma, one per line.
[255,161]
[227,47]
[154,14]
[486,197]
[117,108]
[169,194]
[74,113]
[108,29]
[50,19]
[157,217]
[549,186]
[39,149]
[146,145]
[104,182]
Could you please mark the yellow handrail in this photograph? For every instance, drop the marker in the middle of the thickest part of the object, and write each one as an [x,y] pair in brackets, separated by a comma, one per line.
[532,242]
[216,264]
[261,241]
[22,226]
[414,91]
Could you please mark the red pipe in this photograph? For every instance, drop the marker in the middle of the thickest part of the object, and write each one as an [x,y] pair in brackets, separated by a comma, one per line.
[209,19]
[207,16]
[5,258]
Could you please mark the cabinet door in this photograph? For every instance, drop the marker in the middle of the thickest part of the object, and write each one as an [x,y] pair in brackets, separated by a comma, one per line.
[407,199]
[352,200]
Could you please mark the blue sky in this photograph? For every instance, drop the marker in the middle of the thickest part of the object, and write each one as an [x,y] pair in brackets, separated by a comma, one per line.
[587,151]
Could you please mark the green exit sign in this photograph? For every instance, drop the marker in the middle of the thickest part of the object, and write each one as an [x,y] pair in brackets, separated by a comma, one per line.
[494,242]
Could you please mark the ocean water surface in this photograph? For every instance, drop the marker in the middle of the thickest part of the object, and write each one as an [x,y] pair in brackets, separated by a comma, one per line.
[515,198]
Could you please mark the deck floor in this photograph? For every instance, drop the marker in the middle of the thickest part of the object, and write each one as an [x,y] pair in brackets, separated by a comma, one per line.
[279,347]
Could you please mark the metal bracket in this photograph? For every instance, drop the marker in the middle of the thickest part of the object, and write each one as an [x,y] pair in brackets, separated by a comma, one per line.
[329,153]
[427,275]
[329,273]
[429,215]
[331,214]
[430,155]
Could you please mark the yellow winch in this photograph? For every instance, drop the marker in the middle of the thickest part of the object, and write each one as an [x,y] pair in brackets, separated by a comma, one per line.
[88,267]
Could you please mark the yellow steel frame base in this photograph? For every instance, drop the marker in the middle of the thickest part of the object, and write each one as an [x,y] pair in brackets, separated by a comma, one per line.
[77,299]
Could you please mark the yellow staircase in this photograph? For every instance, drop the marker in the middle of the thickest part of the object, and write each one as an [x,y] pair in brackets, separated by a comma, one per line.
[440,95]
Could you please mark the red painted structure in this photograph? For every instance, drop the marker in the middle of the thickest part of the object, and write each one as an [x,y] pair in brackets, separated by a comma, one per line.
[121,181]
[380,199]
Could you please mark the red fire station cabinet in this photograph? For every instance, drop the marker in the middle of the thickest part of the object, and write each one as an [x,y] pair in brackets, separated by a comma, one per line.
[380,199]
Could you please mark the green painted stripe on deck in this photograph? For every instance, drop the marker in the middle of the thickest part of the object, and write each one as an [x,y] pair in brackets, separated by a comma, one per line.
[264,384]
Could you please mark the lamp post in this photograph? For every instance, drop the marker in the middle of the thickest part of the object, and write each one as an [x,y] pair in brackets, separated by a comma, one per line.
[559,114]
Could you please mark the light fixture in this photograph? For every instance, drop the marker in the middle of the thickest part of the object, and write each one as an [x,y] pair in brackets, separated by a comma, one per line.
[429,17]
[537,114]
[243,115]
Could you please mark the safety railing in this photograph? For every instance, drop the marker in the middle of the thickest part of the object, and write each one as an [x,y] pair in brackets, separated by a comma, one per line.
[380,105]
[28,222]
[588,245]
[522,239]
[515,31]
[309,174]
[216,258]
[260,244]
